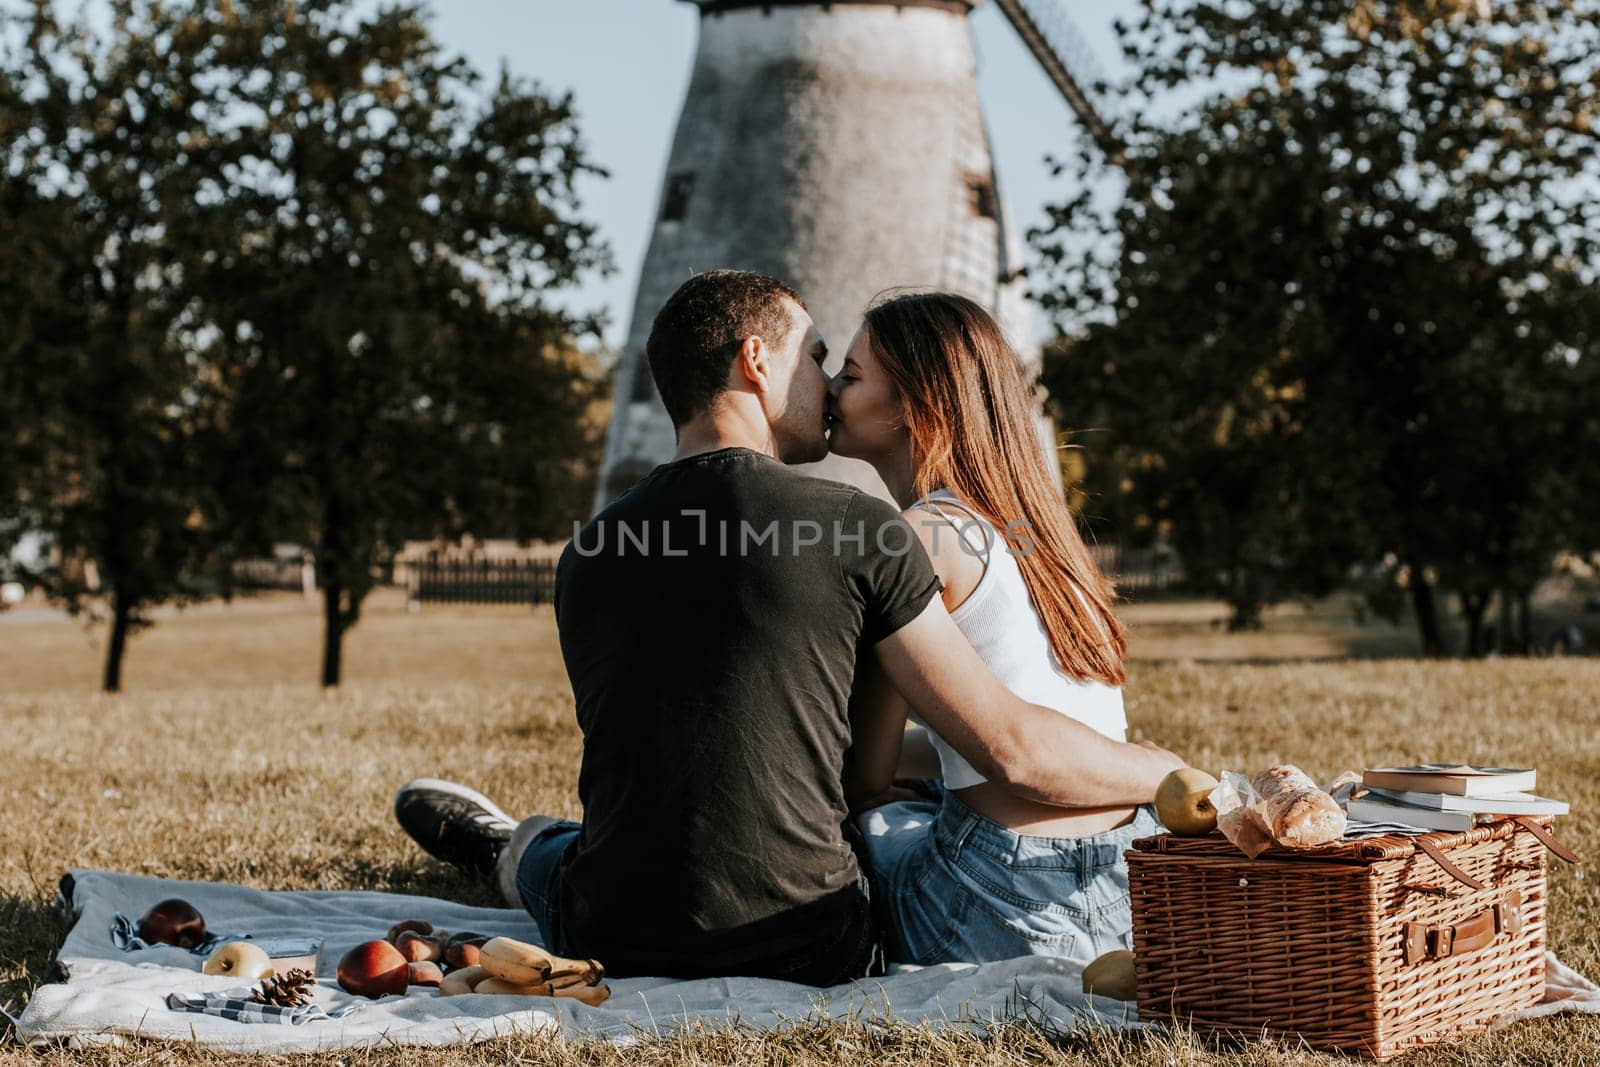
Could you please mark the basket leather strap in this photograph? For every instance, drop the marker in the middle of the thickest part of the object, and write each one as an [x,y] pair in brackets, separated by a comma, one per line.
[1546,839]
[1436,854]
[1478,932]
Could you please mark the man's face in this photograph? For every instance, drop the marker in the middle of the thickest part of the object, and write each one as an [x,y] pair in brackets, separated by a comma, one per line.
[797,407]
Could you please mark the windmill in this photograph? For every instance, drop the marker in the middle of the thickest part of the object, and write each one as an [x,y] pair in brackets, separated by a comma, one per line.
[840,147]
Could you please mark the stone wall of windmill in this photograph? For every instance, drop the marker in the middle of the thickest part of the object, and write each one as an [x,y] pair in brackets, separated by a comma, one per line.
[841,149]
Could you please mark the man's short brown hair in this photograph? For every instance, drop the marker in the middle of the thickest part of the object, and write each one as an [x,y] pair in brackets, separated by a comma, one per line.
[699,329]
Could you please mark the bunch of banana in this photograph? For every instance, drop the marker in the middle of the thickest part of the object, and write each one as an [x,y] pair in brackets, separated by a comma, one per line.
[515,968]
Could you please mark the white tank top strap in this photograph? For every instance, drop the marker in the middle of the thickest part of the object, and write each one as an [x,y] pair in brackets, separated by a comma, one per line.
[931,503]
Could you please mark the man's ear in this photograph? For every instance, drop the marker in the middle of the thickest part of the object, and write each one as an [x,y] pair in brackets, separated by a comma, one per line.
[753,365]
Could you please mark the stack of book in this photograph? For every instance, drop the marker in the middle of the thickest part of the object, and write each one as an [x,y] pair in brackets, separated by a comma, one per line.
[1440,796]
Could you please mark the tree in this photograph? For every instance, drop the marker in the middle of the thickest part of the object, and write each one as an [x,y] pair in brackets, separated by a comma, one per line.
[1343,313]
[94,182]
[377,247]
[22,220]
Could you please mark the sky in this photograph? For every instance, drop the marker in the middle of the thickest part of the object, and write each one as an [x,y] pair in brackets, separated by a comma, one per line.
[627,62]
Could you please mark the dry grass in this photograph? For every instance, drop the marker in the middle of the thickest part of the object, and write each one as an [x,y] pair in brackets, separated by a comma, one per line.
[172,779]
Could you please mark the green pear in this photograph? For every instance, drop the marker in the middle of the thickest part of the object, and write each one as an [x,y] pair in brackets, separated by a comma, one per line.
[1183,802]
[239,959]
[1112,976]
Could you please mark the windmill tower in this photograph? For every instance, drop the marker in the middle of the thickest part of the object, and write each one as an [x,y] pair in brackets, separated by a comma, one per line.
[840,147]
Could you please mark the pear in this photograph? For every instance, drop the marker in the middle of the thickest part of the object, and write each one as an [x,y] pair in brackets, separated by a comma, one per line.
[239,959]
[1112,976]
[1183,802]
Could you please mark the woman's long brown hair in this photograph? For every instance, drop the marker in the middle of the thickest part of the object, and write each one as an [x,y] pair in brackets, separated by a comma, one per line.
[971,422]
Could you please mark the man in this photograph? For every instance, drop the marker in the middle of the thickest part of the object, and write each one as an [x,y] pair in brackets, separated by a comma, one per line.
[711,620]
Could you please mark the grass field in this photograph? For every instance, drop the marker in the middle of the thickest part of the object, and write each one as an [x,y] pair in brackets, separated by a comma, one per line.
[173,778]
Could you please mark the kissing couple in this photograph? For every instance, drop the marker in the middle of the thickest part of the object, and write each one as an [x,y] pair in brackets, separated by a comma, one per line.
[753,801]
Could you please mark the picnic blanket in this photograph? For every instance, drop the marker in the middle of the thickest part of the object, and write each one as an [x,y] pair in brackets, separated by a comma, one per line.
[112,993]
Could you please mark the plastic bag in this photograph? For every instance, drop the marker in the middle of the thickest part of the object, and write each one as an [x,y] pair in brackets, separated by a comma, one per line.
[1242,812]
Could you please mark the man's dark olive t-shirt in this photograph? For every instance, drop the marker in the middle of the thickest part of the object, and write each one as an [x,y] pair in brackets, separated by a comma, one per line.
[711,619]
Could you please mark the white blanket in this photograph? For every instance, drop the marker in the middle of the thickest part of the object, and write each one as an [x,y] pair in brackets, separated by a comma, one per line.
[112,994]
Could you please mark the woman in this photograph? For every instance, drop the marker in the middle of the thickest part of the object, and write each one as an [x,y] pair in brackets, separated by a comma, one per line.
[932,396]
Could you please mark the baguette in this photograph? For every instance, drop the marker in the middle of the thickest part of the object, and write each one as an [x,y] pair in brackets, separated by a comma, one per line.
[1299,814]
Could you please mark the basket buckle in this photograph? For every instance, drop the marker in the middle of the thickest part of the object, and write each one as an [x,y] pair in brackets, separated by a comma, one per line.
[1504,916]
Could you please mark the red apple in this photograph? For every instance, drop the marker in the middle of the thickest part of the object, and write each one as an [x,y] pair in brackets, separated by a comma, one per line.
[173,922]
[373,969]
[425,973]
[418,949]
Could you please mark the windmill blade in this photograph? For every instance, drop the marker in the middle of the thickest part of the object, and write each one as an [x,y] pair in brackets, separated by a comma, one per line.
[1047,30]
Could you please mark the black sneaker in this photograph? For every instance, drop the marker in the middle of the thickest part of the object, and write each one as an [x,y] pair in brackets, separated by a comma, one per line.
[455,824]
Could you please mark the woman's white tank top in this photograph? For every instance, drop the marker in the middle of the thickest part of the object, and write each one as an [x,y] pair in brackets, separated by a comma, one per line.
[1003,626]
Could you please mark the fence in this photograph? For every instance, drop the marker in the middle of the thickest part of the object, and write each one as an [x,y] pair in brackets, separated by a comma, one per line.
[273,574]
[533,581]
[482,581]
[1139,570]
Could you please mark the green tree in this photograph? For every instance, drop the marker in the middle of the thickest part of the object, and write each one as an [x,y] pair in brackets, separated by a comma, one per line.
[379,242]
[105,395]
[1344,313]
[21,218]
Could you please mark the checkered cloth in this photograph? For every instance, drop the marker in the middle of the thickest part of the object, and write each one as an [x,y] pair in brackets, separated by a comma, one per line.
[124,936]
[244,1010]
[1356,830]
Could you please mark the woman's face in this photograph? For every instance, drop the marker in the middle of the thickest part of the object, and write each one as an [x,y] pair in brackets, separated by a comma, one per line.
[868,417]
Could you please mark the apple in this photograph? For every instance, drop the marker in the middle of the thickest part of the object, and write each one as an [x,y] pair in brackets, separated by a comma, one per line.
[424,973]
[419,949]
[1183,802]
[1112,976]
[373,969]
[239,959]
[173,922]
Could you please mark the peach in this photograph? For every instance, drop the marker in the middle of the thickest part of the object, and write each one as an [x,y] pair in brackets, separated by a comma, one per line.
[461,954]
[419,949]
[421,926]
[424,973]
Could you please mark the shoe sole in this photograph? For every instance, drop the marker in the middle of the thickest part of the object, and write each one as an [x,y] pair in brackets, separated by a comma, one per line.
[456,789]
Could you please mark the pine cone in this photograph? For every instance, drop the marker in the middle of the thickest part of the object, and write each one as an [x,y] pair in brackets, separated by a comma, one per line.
[288,991]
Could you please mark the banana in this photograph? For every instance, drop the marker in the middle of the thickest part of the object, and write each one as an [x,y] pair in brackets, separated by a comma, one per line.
[515,962]
[501,987]
[589,972]
[573,989]
[461,980]
[593,996]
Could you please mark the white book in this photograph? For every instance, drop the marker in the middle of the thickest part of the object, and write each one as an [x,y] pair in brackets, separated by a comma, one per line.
[1505,804]
[1464,780]
[1373,809]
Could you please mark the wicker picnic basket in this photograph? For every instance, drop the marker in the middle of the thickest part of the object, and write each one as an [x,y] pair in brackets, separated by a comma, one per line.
[1372,947]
